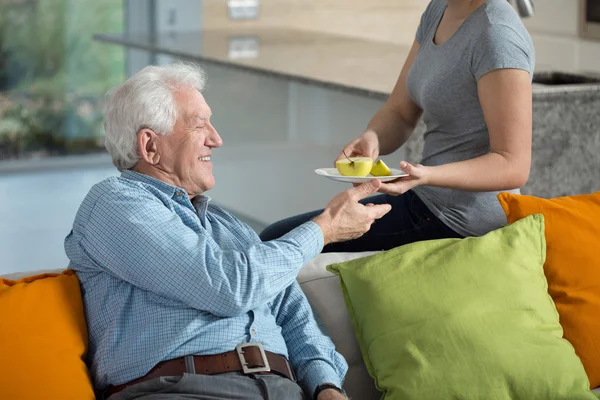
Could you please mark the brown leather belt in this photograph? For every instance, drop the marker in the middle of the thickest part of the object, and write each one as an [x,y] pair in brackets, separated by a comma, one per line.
[248,358]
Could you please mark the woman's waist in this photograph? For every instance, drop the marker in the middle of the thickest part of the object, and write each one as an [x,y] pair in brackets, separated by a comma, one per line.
[468,213]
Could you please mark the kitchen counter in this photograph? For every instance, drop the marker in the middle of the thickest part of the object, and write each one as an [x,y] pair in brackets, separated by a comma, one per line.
[366,67]
[358,65]
[566,121]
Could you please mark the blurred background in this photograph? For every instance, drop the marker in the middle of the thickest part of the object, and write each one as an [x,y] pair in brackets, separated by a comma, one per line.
[289,82]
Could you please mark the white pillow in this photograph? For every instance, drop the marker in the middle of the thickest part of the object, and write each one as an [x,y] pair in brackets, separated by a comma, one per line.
[324,293]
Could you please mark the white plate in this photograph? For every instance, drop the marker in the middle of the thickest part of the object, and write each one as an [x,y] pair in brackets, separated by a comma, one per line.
[333,173]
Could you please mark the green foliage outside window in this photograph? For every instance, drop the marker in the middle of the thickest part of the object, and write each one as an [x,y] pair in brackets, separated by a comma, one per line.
[54,75]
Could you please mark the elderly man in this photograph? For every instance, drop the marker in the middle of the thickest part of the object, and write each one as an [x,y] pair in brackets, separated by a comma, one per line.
[182,299]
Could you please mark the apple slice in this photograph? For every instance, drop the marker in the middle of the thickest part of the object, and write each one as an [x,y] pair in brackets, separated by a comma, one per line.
[355,166]
[380,169]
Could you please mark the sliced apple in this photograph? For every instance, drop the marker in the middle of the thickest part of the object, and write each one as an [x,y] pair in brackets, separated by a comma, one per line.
[380,169]
[355,166]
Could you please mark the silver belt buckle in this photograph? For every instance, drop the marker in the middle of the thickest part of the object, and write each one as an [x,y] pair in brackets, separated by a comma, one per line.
[240,351]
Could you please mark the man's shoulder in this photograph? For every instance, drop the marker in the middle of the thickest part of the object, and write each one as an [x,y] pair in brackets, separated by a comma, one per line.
[216,209]
[223,215]
[113,191]
[227,218]
[108,185]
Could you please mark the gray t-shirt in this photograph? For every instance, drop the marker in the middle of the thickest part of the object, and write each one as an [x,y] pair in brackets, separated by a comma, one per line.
[443,82]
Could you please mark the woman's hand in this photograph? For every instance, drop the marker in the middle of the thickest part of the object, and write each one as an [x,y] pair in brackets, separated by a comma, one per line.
[366,145]
[417,175]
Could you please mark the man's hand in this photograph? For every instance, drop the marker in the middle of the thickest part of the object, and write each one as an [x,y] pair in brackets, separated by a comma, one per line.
[331,394]
[345,218]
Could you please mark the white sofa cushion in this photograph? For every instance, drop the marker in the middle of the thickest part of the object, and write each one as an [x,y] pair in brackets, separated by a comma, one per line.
[324,293]
[323,290]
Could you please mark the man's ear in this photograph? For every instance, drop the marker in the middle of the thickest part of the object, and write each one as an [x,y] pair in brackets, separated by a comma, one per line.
[147,146]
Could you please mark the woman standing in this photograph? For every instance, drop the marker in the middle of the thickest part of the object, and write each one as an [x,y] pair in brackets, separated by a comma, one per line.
[468,74]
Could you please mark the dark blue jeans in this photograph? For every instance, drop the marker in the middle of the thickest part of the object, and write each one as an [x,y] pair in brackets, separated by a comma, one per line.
[409,221]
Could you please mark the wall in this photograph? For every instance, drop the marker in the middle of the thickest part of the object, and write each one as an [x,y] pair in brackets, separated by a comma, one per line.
[555,32]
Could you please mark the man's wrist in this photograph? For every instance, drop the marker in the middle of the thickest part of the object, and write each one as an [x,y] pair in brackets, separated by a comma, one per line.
[324,388]
[324,224]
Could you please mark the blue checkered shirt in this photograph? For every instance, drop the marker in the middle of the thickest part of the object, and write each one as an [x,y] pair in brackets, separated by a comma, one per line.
[163,277]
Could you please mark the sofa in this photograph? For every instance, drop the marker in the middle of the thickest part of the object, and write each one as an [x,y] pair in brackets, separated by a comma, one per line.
[322,288]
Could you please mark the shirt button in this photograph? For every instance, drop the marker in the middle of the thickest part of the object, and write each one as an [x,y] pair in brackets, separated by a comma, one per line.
[253,331]
[179,194]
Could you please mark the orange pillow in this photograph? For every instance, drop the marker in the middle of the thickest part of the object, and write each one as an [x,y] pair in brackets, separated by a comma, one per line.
[572,266]
[43,339]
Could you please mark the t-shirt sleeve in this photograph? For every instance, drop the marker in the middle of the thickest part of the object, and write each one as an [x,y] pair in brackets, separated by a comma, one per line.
[421,30]
[501,47]
[426,21]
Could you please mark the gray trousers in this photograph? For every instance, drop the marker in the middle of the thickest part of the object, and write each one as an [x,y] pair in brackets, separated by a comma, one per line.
[228,386]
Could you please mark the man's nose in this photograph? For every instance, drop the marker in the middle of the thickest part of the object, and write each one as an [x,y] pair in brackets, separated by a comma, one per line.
[215,138]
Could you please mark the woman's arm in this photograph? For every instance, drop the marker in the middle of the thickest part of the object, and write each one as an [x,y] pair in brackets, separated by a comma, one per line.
[393,124]
[398,117]
[506,100]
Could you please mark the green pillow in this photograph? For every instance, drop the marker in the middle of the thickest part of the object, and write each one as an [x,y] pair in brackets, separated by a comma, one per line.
[463,319]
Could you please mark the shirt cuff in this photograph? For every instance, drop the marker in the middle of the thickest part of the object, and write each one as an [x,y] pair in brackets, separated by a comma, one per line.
[320,372]
[310,239]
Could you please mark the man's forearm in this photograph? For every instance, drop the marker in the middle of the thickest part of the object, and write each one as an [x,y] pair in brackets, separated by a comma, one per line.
[391,129]
[311,352]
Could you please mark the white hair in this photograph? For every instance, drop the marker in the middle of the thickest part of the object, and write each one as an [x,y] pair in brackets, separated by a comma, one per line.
[145,101]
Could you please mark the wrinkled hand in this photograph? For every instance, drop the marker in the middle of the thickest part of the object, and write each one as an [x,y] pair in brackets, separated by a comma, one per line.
[417,176]
[366,145]
[345,218]
[330,394]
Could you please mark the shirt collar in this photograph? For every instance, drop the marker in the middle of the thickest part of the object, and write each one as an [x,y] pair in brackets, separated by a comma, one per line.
[199,201]
[157,183]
